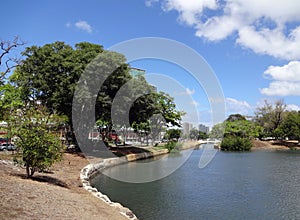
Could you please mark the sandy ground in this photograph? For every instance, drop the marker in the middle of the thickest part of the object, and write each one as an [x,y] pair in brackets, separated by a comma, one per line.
[54,195]
[274,145]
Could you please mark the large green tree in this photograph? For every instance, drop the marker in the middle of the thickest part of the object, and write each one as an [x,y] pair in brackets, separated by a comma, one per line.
[49,73]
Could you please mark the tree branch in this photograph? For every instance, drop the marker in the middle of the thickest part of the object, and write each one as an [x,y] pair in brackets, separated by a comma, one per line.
[5,48]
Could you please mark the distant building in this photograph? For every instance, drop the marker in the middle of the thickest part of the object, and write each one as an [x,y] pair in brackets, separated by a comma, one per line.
[203,128]
[135,72]
[187,127]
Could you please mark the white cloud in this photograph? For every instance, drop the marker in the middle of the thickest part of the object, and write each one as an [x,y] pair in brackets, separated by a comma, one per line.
[234,106]
[288,72]
[286,80]
[83,25]
[189,10]
[187,92]
[282,88]
[264,26]
[194,103]
[292,107]
[190,91]
[271,42]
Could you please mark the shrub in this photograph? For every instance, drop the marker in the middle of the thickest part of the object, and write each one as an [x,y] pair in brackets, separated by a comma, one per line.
[172,146]
[233,143]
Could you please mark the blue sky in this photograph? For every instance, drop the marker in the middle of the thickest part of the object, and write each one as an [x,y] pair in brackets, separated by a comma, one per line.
[252,46]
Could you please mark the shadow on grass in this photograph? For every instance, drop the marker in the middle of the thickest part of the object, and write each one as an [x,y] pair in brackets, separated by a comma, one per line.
[44,179]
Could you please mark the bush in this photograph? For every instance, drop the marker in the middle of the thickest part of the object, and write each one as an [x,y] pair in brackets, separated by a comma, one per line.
[233,143]
[172,145]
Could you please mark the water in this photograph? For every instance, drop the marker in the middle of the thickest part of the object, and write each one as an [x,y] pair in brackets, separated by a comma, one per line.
[256,185]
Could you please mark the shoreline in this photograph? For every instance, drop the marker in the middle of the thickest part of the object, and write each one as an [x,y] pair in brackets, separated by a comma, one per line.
[92,169]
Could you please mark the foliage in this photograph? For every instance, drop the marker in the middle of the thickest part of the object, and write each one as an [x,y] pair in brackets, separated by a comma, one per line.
[238,132]
[242,128]
[173,134]
[194,133]
[49,74]
[235,143]
[269,117]
[202,135]
[235,117]
[152,112]
[126,99]
[217,131]
[172,146]
[10,100]
[290,127]
[39,146]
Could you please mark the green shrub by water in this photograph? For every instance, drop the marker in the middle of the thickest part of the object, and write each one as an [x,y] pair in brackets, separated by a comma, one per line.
[233,143]
[172,146]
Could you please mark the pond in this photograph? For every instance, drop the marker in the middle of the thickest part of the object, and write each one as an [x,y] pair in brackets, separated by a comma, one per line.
[255,185]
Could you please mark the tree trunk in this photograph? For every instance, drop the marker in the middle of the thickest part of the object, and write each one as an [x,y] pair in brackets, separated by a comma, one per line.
[29,171]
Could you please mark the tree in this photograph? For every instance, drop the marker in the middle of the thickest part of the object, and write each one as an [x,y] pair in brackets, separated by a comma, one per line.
[9,101]
[270,116]
[172,134]
[8,63]
[217,131]
[238,133]
[194,134]
[126,97]
[94,96]
[290,127]
[154,111]
[49,74]
[202,135]
[39,146]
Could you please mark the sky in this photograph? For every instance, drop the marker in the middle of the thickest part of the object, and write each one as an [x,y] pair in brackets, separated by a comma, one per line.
[252,47]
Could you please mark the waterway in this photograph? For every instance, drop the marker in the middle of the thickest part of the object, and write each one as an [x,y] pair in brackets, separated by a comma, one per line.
[255,185]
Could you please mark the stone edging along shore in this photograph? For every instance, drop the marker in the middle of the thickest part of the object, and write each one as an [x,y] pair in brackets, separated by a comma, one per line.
[91,170]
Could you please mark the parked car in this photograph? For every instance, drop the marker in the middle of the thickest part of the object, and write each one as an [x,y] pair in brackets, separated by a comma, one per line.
[2,147]
[8,146]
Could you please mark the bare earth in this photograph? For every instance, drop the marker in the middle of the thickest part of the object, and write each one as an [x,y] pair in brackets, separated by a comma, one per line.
[274,145]
[54,195]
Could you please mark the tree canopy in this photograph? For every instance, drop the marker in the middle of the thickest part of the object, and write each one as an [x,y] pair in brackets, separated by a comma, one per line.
[237,133]
[49,73]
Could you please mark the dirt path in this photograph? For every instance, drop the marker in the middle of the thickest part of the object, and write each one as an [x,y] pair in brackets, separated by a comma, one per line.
[55,195]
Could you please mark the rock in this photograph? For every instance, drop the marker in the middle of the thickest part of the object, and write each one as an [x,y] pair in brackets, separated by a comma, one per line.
[105,198]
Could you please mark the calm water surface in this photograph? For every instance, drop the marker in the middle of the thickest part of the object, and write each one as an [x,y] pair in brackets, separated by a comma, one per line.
[257,185]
